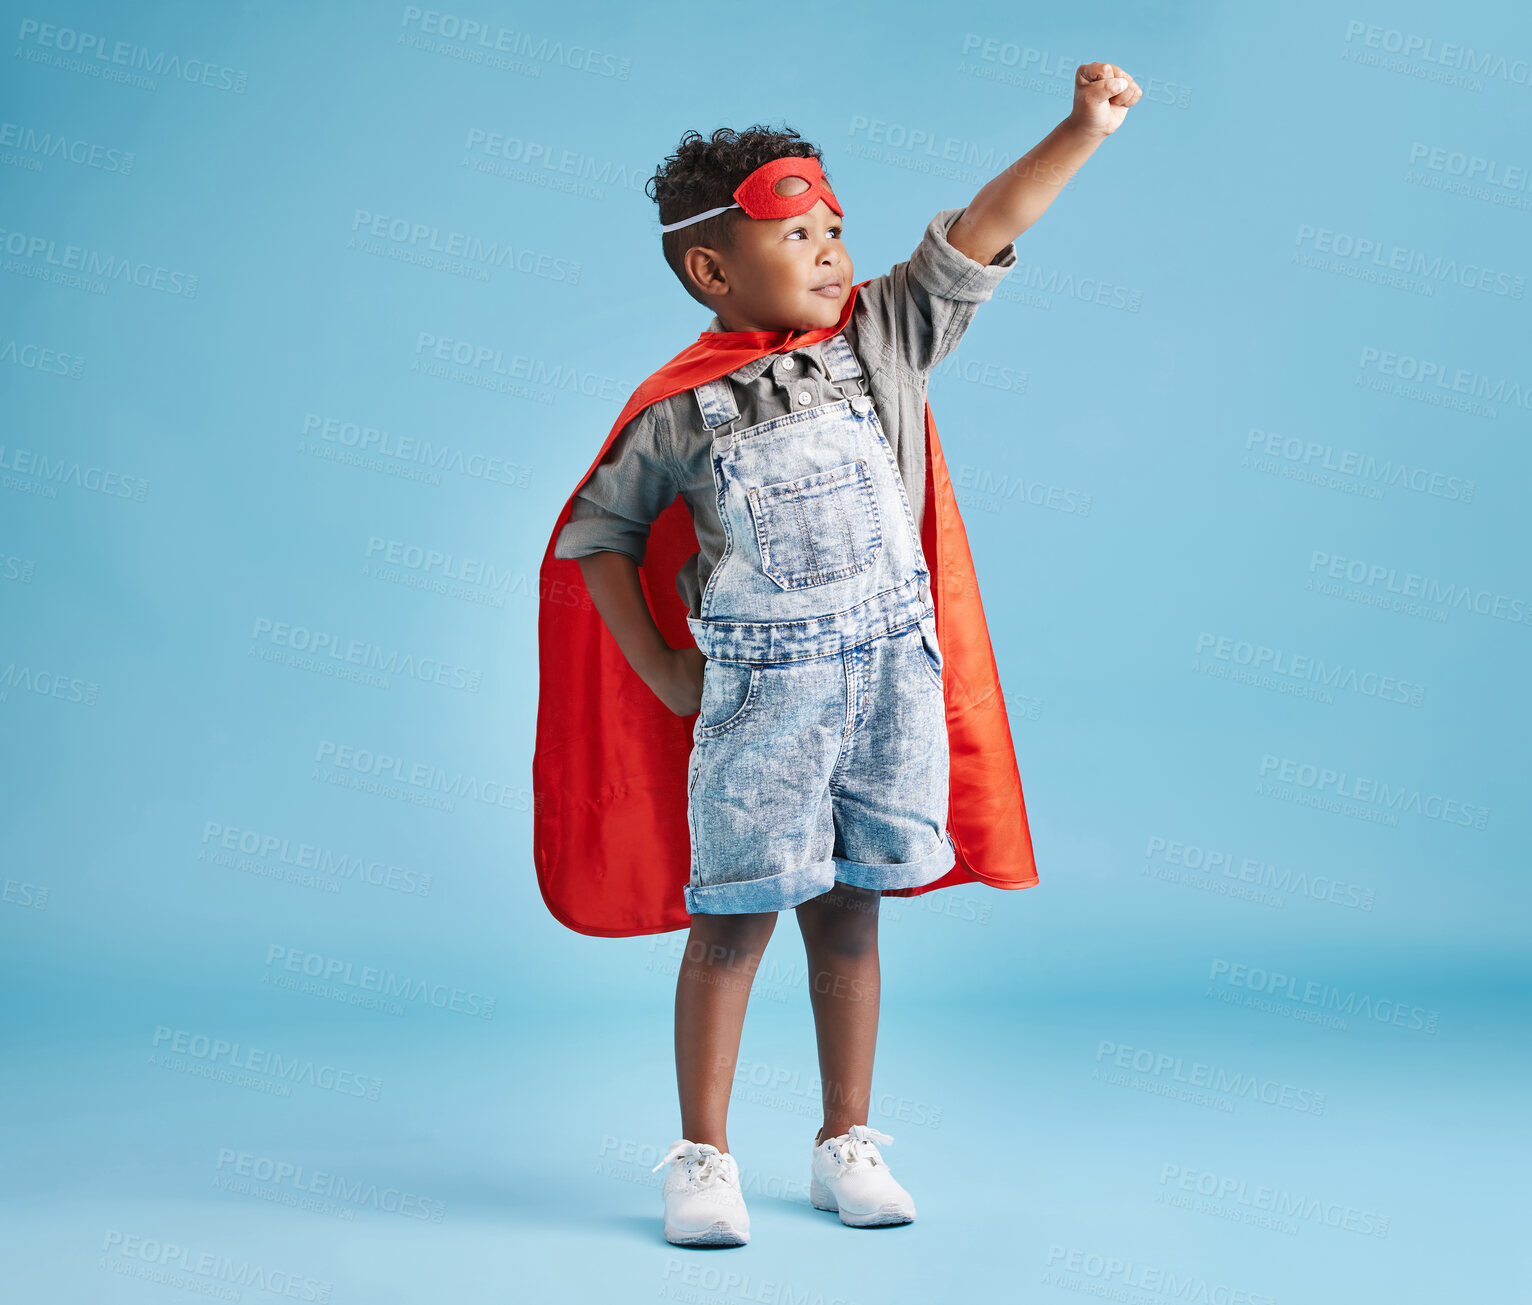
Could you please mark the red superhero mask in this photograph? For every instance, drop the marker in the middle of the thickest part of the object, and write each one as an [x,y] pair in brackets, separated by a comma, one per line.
[757,193]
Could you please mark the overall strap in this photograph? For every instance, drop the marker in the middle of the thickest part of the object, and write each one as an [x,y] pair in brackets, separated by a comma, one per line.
[716,399]
[839,358]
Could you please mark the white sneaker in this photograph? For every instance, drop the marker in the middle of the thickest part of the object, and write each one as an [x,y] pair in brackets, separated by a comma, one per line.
[850,1176]
[703,1203]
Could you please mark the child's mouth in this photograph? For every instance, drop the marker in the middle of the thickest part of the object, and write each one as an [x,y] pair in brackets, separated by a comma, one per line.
[830,291]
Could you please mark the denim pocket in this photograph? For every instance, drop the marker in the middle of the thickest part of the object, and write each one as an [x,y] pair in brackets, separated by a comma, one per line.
[817,528]
[729,691]
[930,651]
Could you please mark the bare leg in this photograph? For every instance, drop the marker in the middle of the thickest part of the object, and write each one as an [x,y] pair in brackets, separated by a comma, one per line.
[840,936]
[712,990]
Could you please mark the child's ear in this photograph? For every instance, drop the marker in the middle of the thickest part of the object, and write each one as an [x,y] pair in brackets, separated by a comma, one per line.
[705,270]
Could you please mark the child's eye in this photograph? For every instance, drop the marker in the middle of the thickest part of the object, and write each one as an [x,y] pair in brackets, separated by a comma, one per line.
[804,233]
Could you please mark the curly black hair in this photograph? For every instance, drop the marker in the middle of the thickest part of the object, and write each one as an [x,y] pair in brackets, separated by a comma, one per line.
[703,173]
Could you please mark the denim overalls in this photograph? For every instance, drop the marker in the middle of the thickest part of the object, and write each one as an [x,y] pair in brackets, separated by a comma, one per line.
[820,751]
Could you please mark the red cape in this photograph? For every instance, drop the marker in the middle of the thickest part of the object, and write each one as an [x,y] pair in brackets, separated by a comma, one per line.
[609,828]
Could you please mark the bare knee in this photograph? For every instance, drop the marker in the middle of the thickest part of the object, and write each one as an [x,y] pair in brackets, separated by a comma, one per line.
[843,920]
[729,941]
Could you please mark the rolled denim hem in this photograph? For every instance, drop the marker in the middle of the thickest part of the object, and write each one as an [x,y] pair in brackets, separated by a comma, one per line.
[907,874]
[777,893]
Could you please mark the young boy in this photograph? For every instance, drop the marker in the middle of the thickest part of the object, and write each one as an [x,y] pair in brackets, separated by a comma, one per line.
[820,762]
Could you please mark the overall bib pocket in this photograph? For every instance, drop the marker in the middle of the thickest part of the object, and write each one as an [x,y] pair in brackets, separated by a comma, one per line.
[817,528]
[729,691]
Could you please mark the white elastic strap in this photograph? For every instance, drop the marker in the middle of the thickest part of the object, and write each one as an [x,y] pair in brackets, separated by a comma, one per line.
[686,222]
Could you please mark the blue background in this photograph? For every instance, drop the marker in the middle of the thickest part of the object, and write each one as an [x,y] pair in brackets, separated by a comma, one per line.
[1192,395]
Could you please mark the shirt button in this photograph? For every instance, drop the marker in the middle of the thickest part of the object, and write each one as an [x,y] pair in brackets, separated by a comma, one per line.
[787,364]
[805,397]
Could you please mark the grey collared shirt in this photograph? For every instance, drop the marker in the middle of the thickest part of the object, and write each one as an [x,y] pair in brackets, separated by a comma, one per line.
[903,324]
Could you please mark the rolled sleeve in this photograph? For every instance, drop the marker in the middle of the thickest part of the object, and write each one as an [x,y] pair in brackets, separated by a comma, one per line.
[916,313]
[948,273]
[633,483]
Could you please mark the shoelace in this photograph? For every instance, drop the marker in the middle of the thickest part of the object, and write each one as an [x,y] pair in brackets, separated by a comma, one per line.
[704,1161]
[860,1144]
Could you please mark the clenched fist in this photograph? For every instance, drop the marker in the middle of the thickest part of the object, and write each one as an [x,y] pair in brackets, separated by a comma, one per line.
[1103,95]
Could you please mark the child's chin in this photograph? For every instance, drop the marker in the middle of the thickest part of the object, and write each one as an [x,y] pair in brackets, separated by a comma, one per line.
[813,317]
[825,312]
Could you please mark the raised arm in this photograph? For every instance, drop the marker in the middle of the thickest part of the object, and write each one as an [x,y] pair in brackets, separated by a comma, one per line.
[1012,201]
